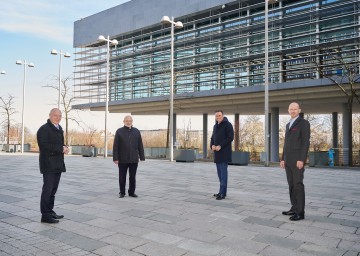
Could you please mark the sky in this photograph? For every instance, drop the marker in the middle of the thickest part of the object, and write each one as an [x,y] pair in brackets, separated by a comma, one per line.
[29,30]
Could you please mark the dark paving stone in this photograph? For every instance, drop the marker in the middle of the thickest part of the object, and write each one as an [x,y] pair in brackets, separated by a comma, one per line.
[9,199]
[73,239]
[264,222]
[5,215]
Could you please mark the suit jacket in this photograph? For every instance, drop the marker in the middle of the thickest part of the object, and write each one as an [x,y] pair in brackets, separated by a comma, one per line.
[51,141]
[297,142]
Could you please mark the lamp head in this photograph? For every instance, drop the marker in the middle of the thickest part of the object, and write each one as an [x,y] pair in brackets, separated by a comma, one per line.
[165,20]
[101,38]
[31,65]
[54,52]
[114,42]
[67,55]
[19,62]
[179,24]
[3,72]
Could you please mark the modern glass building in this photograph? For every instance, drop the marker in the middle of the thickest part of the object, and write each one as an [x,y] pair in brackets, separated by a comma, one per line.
[219,55]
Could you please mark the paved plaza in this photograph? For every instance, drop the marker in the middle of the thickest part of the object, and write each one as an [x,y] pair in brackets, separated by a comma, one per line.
[176,213]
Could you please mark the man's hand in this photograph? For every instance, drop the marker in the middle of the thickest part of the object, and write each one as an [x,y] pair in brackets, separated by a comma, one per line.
[116,162]
[282,164]
[213,147]
[65,150]
[299,164]
[217,148]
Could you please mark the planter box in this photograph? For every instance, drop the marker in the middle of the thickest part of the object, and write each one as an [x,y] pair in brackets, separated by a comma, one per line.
[240,158]
[318,158]
[89,151]
[158,152]
[10,148]
[184,155]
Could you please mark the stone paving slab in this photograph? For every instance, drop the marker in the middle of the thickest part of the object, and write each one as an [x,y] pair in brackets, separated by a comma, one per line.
[176,213]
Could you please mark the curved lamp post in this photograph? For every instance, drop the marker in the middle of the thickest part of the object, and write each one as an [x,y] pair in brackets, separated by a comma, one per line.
[30,65]
[112,42]
[166,20]
[66,55]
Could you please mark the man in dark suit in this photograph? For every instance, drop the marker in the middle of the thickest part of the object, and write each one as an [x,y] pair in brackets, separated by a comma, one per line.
[50,138]
[296,146]
[220,143]
[127,150]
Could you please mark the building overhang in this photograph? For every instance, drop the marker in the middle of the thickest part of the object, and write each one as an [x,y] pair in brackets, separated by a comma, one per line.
[316,96]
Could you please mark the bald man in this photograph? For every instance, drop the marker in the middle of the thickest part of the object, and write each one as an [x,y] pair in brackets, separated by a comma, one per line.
[296,147]
[127,150]
[50,138]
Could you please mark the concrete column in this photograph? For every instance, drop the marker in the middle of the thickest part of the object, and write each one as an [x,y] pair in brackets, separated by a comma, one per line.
[335,130]
[274,150]
[205,135]
[237,132]
[346,137]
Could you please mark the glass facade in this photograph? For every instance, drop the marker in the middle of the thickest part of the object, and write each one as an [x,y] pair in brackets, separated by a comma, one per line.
[224,48]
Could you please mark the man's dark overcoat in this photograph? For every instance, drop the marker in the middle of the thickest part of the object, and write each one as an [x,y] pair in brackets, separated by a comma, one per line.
[51,141]
[223,135]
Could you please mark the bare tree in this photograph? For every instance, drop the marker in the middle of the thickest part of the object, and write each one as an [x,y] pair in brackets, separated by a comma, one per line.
[90,133]
[7,110]
[250,135]
[320,132]
[340,65]
[187,137]
[67,100]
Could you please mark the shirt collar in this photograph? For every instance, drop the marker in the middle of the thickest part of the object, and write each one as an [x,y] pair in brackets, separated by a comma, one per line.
[293,119]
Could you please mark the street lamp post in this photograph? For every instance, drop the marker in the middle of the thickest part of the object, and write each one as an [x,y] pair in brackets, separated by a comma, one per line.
[30,65]
[112,42]
[166,20]
[267,135]
[66,55]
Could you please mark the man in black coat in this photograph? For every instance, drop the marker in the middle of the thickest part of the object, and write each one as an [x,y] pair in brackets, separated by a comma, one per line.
[50,138]
[296,146]
[220,143]
[127,150]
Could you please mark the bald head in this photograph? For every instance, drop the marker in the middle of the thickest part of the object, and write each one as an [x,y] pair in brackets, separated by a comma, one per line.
[128,121]
[55,116]
[294,109]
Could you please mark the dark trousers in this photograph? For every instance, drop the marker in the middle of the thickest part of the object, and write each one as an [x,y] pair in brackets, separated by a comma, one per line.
[122,177]
[222,171]
[295,179]
[50,186]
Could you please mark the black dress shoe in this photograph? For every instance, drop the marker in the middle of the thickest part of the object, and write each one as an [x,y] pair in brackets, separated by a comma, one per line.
[55,216]
[121,195]
[49,220]
[220,197]
[218,194]
[290,212]
[296,217]
[133,195]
